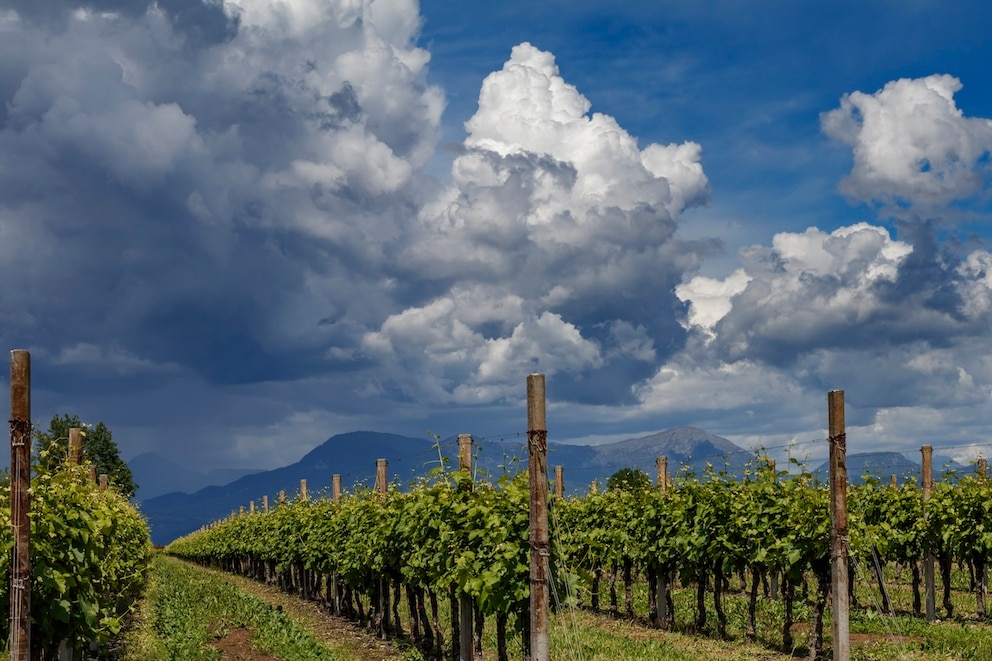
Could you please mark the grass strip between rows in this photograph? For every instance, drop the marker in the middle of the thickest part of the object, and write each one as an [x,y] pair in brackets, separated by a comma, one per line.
[187,608]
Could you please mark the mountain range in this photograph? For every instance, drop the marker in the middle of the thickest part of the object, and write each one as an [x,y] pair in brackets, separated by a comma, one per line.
[883,466]
[353,455]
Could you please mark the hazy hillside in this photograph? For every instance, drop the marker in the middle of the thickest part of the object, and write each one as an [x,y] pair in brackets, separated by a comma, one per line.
[157,475]
[883,465]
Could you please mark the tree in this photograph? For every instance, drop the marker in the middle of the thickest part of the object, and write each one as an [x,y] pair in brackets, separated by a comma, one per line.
[99,449]
[628,479]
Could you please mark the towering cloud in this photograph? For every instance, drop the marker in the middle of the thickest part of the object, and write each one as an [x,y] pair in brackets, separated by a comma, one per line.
[554,248]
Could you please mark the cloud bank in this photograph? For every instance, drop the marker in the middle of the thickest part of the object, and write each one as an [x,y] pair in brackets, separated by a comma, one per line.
[233,194]
[901,324]
[221,210]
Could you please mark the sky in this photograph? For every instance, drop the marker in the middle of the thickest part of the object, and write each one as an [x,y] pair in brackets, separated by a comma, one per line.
[231,229]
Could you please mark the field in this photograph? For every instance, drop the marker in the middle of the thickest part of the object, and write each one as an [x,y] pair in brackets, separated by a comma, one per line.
[194,613]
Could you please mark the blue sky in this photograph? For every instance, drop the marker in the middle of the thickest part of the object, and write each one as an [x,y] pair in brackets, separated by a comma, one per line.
[232,229]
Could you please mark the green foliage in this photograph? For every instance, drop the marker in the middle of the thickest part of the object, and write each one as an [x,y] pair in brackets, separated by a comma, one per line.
[99,449]
[89,553]
[474,537]
[629,479]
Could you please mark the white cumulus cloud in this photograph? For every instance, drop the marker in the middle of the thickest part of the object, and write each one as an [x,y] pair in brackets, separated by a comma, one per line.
[911,143]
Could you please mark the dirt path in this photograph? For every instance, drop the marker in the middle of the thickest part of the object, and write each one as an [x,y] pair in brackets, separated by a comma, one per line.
[354,643]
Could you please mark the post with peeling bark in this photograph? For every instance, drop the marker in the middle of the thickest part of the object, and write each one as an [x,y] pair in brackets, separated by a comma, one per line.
[926,483]
[75,455]
[661,466]
[465,605]
[20,505]
[838,530]
[537,449]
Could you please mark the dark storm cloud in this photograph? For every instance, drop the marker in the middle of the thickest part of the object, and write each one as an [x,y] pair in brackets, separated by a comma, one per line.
[203,208]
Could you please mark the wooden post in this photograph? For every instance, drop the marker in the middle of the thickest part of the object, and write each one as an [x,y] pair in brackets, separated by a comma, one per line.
[594,486]
[982,469]
[661,466]
[336,593]
[104,481]
[265,504]
[382,598]
[282,496]
[662,583]
[251,507]
[894,482]
[838,530]
[20,505]
[560,482]
[241,510]
[304,494]
[92,472]
[773,577]
[380,478]
[926,483]
[75,455]
[465,605]
[465,453]
[537,448]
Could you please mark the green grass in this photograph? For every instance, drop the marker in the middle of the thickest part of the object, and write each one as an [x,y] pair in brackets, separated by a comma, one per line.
[187,608]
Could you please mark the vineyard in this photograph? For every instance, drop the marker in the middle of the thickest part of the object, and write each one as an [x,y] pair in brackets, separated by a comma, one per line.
[89,552]
[432,545]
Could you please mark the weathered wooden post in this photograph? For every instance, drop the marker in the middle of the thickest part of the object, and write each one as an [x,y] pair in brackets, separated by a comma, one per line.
[20,505]
[661,467]
[251,507]
[336,593]
[982,470]
[282,496]
[465,605]
[92,472]
[537,449]
[773,578]
[382,488]
[304,494]
[265,504]
[104,481]
[663,583]
[381,484]
[838,530]
[926,484]
[74,456]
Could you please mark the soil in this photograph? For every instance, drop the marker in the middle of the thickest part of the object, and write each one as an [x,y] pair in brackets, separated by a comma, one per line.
[236,646]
